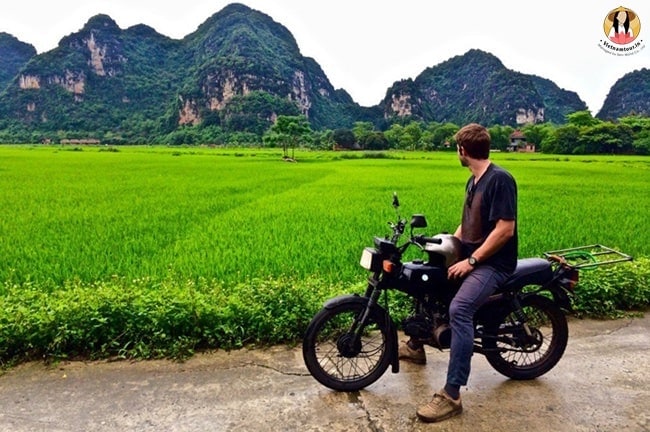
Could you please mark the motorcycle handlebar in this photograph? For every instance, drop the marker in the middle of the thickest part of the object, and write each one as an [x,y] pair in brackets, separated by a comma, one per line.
[422,240]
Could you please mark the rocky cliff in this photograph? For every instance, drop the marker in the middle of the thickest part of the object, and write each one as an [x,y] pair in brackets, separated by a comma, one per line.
[241,69]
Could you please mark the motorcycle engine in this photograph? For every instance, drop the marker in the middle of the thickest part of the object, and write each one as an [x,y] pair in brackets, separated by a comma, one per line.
[418,327]
[435,332]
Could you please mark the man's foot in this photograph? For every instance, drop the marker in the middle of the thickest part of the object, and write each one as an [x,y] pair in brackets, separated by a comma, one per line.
[441,407]
[409,354]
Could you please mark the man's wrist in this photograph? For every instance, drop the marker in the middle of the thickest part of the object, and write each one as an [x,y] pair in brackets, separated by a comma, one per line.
[472,261]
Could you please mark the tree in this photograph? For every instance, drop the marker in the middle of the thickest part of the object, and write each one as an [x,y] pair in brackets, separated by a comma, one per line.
[536,133]
[376,141]
[394,135]
[641,132]
[605,137]
[439,135]
[289,131]
[549,144]
[411,137]
[405,137]
[344,138]
[500,136]
[361,131]
[186,135]
[322,140]
[581,118]
[563,141]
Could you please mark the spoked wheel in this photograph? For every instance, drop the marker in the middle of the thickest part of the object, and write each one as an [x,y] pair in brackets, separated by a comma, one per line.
[343,354]
[519,355]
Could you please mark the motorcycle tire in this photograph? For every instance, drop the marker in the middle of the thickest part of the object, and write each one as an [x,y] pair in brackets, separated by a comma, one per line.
[339,360]
[518,356]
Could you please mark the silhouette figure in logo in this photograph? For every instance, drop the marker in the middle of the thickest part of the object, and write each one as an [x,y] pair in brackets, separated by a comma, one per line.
[621,32]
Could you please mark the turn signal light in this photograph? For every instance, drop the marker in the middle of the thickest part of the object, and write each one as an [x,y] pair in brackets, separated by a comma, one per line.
[388,266]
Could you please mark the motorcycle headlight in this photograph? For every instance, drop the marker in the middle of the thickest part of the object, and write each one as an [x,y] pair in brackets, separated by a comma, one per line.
[371,259]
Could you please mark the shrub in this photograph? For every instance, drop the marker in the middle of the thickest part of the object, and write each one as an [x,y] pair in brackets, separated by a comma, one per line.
[148,318]
[145,318]
[609,291]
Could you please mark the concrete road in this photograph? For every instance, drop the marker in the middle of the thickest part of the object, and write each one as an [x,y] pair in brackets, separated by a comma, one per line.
[601,384]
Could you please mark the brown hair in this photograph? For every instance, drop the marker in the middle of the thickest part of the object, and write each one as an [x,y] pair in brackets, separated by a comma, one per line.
[475,139]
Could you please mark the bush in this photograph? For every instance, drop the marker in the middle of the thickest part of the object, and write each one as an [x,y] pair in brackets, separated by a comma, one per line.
[609,291]
[148,318]
[145,318]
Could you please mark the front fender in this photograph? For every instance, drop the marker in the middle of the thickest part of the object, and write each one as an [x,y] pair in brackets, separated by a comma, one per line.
[383,318]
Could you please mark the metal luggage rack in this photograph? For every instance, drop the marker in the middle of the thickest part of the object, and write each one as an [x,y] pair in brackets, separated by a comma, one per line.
[590,257]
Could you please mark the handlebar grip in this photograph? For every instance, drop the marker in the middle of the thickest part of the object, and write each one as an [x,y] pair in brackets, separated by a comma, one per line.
[422,240]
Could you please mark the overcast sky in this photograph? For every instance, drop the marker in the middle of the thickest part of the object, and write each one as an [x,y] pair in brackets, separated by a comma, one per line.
[364,46]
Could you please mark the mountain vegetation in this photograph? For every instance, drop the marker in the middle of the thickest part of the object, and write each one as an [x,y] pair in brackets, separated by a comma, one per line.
[14,54]
[476,87]
[230,80]
[629,95]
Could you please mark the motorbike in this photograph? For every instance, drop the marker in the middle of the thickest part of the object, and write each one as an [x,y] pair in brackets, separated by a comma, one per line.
[521,330]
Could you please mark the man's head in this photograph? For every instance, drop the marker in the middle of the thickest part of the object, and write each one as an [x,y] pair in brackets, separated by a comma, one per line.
[473,141]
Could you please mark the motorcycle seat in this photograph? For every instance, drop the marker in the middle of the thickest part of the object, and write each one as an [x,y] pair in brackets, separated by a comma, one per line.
[529,271]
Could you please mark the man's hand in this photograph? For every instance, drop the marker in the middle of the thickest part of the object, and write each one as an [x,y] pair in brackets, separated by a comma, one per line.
[459,270]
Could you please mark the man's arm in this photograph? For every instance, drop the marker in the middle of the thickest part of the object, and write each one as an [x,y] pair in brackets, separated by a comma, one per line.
[502,232]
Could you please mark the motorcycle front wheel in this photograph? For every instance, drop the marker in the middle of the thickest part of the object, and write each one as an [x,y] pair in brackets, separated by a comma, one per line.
[342,353]
[513,352]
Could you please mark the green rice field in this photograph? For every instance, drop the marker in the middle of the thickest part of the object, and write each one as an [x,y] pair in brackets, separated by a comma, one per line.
[149,252]
[92,214]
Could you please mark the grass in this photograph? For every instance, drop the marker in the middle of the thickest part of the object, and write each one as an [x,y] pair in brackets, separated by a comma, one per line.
[149,251]
[155,212]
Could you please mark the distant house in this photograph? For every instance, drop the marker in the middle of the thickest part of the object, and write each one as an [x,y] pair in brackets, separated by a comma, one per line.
[81,141]
[518,143]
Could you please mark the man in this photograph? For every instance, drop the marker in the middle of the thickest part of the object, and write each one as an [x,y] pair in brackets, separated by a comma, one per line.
[488,234]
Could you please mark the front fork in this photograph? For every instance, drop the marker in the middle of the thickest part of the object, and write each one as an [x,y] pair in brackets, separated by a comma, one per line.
[373,292]
[369,305]
[354,334]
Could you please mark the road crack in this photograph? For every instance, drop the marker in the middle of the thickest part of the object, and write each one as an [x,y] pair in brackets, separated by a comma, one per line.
[280,371]
[355,399]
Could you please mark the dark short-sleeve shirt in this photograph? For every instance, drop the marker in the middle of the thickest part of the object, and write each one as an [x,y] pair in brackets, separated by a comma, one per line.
[492,198]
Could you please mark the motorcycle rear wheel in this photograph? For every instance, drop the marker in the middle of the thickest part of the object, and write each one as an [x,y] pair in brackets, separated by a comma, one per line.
[338,359]
[522,357]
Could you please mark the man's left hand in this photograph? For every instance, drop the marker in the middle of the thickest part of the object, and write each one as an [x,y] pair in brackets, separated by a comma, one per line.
[460,269]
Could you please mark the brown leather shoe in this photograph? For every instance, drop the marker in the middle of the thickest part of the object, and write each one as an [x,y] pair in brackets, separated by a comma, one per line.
[441,407]
[417,356]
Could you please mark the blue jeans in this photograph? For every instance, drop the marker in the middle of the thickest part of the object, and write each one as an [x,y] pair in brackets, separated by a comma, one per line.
[474,291]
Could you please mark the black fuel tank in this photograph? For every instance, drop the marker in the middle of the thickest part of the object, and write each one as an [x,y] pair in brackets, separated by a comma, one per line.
[420,278]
